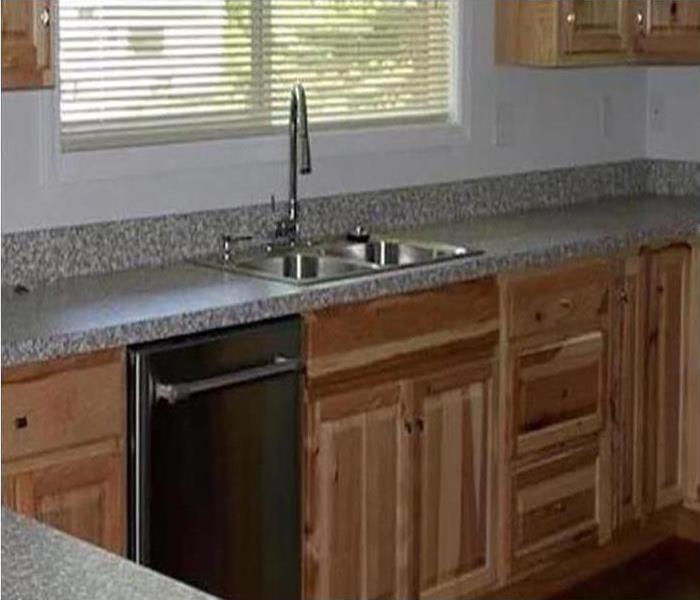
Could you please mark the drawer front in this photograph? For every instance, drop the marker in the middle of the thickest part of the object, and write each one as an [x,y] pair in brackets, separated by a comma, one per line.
[349,337]
[571,299]
[559,392]
[46,409]
[555,505]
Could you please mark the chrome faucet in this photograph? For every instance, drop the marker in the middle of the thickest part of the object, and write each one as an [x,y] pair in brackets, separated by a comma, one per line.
[288,227]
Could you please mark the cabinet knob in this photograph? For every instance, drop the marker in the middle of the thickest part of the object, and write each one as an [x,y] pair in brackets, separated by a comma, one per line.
[408,426]
[639,17]
[21,422]
[45,17]
[420,424]
[571,18]
[566,303]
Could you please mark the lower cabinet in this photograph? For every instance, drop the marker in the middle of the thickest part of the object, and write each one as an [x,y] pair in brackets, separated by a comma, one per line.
[456,517]
[559,502]
[79,492]
[63,454]
[666,352]
[359,493]
[651,409]
[399,487]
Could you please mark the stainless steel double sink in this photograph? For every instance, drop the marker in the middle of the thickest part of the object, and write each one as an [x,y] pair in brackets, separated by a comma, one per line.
[341,260]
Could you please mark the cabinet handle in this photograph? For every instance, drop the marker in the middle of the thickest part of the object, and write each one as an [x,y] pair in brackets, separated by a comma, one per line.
[566,303]
[408,426]
[571,18]
[420,424]
[21,422]
[45,17]
[639,17]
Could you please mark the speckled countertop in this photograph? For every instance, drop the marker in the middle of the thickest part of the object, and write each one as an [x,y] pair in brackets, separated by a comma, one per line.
[89,313]
[40,563]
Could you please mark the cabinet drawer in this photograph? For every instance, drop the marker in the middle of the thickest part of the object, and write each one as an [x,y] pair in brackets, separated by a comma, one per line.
[340,339]
[47,407]
[555,505]
[572,299]
[559,392]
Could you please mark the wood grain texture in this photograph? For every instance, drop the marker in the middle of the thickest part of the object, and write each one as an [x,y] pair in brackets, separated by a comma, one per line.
[670,32]
[60,404]
[666,352]
[80,492]
[456,475]
[350,337]
[559,391]
[627,388]
[27,57]
[558,503]
[358,484]
[567,300]
[63,448]
[692,422]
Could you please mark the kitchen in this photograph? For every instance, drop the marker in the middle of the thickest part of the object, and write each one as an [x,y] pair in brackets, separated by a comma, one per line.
[319,299]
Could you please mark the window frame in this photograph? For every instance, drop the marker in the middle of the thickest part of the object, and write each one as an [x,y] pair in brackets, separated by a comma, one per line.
[59,166]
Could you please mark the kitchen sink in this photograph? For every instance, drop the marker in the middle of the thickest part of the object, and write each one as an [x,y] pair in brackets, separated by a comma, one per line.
[303,267]
[392,253]
[338,260]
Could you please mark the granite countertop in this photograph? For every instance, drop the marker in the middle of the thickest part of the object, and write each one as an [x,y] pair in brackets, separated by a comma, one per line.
[41,563]
[89,313]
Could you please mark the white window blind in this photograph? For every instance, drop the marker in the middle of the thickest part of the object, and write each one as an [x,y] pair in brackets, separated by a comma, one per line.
[155,71]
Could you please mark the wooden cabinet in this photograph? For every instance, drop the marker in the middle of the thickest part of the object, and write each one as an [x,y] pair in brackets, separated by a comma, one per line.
[594,27]
[27,56]
[360,490]
[400,446]
[653,406]
[63,425]
[456,518]
[556,459]
[559,33]
[668,29]
[667,343]
[79,492]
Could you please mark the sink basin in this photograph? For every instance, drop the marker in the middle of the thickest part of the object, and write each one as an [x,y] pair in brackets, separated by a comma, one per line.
[389,253]
[302,267]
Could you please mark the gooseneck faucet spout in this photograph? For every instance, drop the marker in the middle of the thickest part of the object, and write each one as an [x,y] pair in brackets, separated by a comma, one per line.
[298,144]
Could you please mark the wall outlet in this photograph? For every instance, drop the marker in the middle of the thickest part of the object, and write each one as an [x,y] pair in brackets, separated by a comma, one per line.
[607,117]
[503,124]
[657,111]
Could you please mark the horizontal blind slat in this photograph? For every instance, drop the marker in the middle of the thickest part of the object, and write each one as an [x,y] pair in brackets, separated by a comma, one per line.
[155,71]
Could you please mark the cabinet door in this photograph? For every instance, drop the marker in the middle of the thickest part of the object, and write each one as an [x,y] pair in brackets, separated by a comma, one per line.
[358,493]
[668,29]
[666,356]
[628,408]
[79,492]
[26,44]
[595,26]
[455,471]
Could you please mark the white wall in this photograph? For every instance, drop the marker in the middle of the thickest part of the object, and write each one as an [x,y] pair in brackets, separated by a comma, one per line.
[557,121]
[673,130]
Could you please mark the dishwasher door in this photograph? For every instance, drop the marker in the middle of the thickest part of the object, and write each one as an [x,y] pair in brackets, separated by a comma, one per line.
[215,499]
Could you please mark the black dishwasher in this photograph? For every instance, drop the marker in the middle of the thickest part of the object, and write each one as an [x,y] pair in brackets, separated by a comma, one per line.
[214,460]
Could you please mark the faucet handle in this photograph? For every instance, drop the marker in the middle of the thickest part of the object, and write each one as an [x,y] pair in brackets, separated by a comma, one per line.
[228,241]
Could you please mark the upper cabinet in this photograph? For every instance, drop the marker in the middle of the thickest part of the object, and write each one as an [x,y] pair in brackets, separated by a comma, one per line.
[553,33]
[26,44]
[668,30]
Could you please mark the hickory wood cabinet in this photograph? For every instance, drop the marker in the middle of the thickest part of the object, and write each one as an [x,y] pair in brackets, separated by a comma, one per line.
[27,44]
[400,446]
[656,404]
[63,462]
[551,33]
[556,484]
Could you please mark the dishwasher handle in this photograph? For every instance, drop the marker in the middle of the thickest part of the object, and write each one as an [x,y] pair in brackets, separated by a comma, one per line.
[173,393]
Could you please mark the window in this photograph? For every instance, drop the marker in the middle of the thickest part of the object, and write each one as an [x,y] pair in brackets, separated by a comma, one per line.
[154,71]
